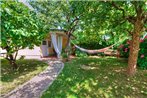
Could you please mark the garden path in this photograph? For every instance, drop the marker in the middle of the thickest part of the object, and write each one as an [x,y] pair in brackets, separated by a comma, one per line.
[37,85]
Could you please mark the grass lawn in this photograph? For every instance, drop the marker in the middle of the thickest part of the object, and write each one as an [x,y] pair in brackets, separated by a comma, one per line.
[97,78]
[27,69]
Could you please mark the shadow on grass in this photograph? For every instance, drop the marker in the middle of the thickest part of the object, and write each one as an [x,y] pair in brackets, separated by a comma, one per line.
[107,80]
[25,66]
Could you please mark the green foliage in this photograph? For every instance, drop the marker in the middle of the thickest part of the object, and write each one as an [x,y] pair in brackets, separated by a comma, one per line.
[142,63]
[59,14]
[80,54]
[20,27]
[108,18]
[22,57]
[94,19]
[64,55]
[92,45]
[142,56]
[90,40]
[124,49]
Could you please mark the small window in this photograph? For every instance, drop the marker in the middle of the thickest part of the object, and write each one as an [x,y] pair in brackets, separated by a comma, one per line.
[43,42]
[49,44]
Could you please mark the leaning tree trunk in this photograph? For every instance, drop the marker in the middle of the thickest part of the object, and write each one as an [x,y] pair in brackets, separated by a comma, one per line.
[12,61]
[134,48]
[10,58]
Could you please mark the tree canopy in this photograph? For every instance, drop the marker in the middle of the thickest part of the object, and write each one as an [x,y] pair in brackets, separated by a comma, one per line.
[90,17]
[116,20]
[90,20]
[20,28]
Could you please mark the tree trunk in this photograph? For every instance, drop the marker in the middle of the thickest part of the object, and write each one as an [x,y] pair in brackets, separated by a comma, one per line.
[134,48]
[10,58]
[13,61]
[133,55]
[67,49]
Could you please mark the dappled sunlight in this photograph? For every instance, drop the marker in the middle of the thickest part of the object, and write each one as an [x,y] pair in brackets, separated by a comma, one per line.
[94,57]
[85,67]
[34,87]
[25,66]
[119,69]
[97,78]
[27,69]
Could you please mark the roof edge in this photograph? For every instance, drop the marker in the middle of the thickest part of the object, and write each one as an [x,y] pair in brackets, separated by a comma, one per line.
[62,30]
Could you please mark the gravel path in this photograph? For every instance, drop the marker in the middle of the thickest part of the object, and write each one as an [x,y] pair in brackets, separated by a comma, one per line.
[37,85]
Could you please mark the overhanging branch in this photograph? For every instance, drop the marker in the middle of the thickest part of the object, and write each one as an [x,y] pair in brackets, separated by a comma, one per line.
[118,8]
[76,19]
[73,27]
[144,17]
[131,19]
[130,32]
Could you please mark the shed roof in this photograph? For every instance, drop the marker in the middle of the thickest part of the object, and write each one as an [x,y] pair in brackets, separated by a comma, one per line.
[56,30]
[61,32]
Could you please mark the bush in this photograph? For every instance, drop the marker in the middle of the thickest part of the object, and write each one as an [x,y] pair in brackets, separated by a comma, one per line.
[64,55]
[124,49]
[142,63]
[22,57]
[80,54]
[93,45]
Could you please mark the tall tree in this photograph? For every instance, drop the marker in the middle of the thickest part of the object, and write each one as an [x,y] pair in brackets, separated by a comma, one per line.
[138,20]
[134,13]
[20,28]
[117,19]
[125,18]
[61,14]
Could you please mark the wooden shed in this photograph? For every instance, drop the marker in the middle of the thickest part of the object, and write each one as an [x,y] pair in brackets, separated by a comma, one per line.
[47,47]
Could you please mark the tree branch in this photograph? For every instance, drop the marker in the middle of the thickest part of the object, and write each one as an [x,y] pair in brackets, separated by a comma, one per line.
[72,29]
[119,8]
[76,18]
[138,8]
[130,32]
[144,17]
[131,19]
[15,55]
[145,29]
[7,57]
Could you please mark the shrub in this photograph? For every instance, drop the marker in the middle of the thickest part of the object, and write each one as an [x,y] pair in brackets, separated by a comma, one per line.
[124,49]
[80,54]
[64,55]
[22,57]
[142,63]
[93,45]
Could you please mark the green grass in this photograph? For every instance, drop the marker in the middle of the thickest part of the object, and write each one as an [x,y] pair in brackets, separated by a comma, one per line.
[97,78]
[10,79]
